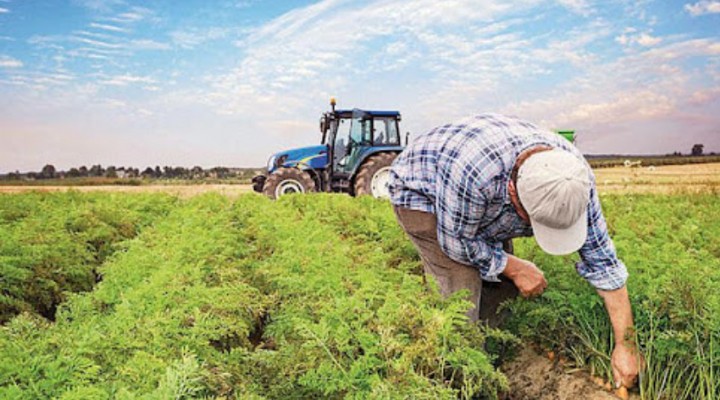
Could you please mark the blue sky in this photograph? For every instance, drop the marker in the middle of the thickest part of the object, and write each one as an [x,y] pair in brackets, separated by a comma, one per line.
[122,82]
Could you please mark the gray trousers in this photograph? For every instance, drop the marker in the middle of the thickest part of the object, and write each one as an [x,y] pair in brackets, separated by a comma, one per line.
[452,276]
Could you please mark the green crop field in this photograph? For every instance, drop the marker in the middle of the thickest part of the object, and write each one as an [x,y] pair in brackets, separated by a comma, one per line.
[124,296]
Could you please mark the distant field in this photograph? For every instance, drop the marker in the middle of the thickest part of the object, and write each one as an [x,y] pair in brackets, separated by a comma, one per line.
[661,179]
[179,190]
[616,161]
[102,181]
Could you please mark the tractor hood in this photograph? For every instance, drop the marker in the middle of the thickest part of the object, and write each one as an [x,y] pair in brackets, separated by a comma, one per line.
[311,157]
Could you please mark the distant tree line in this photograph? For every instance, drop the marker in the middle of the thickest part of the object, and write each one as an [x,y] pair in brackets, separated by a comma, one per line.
[167,172]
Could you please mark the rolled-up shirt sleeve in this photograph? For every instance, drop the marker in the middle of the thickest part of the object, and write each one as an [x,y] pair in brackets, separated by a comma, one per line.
[459,208]
[599,264]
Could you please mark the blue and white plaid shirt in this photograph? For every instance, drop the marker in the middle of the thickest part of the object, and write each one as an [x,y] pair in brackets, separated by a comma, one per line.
[460,172]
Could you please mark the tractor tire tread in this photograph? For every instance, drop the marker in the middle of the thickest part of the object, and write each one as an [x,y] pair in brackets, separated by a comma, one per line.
[364,177]
[281,174]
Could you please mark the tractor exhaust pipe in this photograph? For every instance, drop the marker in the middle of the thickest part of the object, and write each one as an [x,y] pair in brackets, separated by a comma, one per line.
[332,104]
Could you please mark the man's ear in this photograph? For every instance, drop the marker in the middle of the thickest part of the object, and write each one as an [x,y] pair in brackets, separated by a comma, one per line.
[511,188]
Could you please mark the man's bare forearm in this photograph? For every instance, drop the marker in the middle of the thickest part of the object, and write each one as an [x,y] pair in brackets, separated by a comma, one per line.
[617,303]
[626,359]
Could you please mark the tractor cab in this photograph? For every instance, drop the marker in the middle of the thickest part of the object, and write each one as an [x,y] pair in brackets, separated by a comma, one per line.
[355,154]
[354,135]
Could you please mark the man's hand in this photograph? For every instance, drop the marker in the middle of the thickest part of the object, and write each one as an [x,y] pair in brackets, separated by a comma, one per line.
[626,359]
[526,276]
[625,363]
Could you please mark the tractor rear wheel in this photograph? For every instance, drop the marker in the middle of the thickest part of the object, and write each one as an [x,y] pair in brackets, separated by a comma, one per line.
[286,181]
[374,176]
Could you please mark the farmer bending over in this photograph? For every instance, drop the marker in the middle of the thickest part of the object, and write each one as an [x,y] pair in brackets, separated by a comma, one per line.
[462,190]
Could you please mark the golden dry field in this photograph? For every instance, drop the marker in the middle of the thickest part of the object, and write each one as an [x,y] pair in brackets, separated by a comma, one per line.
[662,179]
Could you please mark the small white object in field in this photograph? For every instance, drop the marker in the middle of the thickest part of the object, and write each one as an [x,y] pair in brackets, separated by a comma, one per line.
[628,163]
[651,168]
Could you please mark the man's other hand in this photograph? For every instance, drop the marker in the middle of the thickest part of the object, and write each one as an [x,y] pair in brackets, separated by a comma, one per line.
[625,363]
[527,277]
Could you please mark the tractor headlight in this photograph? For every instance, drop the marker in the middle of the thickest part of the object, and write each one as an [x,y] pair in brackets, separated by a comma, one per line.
[271,162]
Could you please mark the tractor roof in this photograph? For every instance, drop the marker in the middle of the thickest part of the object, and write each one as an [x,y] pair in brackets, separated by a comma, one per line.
[373,113]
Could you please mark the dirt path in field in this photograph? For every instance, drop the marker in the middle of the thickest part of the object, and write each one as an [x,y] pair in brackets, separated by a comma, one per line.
[533,377]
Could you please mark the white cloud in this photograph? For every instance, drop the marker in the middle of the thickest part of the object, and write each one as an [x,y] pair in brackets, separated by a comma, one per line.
[704,96]
[107,27]
[703,7]
[643,39]
[192,37]
[124,80]
[147,44]
[9,62]
[98,43]
[99,5]
[637,90]
[135,14]
[4,10]
[648,41]
[581,7]
[294,57]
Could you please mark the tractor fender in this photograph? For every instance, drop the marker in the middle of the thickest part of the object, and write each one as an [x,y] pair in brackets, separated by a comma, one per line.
[372,151]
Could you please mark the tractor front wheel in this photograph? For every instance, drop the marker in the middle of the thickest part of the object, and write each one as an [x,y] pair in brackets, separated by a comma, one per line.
[286,181]
[374,176]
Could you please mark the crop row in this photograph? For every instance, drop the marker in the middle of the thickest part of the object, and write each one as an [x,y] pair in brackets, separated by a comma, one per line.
[671,245]
[51,244]
[310,297]
[322,296]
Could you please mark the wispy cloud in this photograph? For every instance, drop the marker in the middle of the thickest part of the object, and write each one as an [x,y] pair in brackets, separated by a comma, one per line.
[99,5]
[107,27]
[9,62]
[189,38]
[630,37]
[703,7]
[124,80]
[98,43]
[581,7]
[4,10]
[134,15]
[147,44]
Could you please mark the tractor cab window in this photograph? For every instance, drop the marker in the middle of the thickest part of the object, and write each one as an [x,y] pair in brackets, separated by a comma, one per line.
[352,136]
[342,137]
[360,129]
[385,132]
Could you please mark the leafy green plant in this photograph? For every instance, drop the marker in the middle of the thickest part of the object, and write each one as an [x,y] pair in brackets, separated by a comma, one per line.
[51,244]
[671,245]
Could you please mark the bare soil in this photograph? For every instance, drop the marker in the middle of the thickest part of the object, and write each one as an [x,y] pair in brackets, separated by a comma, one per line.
[534,377]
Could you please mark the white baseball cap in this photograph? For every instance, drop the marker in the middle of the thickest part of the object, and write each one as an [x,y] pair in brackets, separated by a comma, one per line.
[554,188]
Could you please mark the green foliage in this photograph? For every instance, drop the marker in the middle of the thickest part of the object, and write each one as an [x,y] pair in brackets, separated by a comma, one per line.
[351,320]
[51,244]
[255,299]
[320,296]
[671,246]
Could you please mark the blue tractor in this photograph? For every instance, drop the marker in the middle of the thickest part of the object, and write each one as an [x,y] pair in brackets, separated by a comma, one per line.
[355,154]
